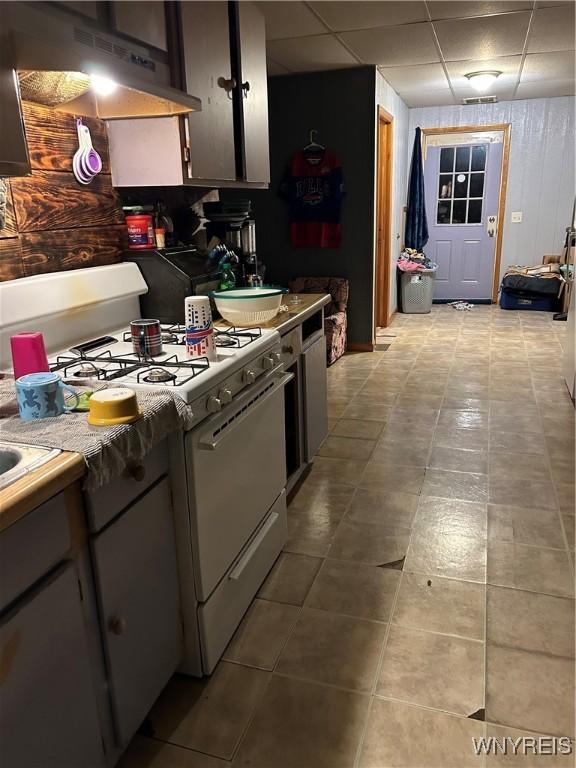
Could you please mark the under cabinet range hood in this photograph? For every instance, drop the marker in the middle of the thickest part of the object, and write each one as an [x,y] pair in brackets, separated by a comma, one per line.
[64,63]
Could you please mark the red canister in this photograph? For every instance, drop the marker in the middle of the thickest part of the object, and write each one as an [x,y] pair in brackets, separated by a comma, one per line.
[140,231]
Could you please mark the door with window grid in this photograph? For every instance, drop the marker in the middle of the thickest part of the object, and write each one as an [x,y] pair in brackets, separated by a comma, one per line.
[462,185]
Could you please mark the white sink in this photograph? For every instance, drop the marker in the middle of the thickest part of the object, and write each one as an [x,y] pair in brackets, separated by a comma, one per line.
[16,460]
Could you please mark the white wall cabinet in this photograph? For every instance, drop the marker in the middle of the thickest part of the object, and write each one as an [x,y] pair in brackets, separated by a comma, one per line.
[47,703]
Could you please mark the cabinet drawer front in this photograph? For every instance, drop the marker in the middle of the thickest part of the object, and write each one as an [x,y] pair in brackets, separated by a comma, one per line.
[136,575]
[103,505]
[221,614]
[49,714]
[32,546]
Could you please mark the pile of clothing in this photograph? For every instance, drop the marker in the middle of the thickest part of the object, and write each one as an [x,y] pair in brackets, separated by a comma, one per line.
[536,288]
[411,260]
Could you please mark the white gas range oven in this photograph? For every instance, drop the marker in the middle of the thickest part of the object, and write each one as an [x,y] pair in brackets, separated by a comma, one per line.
[228,470]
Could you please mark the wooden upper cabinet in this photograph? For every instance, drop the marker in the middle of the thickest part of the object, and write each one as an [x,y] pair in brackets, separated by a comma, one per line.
[252,36]
[145,22]
[208,70]
[87,8]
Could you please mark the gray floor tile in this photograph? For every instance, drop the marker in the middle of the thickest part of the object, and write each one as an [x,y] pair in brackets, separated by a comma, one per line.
[290,579]
[392,477]
[351,588]
[392,509]
[469,439]
[408,452]
[432,670]
[403,736]
[333,649]
[342,471]
[451,516]
[310,533]
[458,459]
[441,605]
[347,448]
[262,634]
[370,543]
[530,690]
[368,430]
[530,622]
[532,568]
[210,715]
[304,725]
[447,484]
[539,527]
[323,496]
[151,753]
[447,554]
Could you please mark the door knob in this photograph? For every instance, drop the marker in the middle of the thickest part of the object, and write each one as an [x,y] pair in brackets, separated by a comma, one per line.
[117,625]
[228,84]
[491,226]
[245,88]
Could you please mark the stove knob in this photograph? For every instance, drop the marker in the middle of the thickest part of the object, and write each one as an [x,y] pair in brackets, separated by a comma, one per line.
[225,396]
[276,356]
[268,363]
[249,376]
[213,404]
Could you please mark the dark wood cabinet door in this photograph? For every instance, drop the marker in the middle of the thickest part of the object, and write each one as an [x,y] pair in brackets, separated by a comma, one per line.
[48,705]
[144,21]
[137,581]
[252,35]
[207,64]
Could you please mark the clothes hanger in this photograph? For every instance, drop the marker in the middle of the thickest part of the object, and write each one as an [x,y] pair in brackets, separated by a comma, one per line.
[314,146]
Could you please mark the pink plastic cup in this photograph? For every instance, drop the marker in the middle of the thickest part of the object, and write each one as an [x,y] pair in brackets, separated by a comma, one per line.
[28,354]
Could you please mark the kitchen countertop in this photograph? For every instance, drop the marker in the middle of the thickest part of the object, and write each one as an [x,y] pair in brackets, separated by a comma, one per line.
[39,485]
[296,314]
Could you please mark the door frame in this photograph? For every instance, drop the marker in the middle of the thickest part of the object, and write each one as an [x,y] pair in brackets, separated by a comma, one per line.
[506,129]
[385,155]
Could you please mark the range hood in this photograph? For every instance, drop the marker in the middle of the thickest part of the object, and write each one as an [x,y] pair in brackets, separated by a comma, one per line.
[58,59]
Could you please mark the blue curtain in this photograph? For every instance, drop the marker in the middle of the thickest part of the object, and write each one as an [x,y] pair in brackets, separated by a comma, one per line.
[416,234]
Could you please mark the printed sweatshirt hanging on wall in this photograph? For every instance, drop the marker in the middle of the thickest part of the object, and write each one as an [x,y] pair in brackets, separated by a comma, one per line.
[314,188]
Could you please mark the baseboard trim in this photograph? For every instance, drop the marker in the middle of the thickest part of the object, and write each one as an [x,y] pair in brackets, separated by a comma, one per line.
[470,301]
[356,346]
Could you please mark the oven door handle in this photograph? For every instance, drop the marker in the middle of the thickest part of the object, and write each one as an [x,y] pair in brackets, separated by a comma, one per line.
[212,445]
[240,567]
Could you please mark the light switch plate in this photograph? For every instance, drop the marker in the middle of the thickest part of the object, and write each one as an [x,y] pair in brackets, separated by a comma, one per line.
[516,217]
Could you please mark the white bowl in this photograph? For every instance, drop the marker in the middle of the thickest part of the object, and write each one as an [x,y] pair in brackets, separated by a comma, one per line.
[249,306]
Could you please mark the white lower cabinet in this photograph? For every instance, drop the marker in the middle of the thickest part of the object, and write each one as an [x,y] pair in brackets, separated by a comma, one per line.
[137,586]
[47,704]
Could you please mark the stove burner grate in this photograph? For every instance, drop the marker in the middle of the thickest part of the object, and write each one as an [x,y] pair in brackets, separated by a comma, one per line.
[107,367]
[156,376]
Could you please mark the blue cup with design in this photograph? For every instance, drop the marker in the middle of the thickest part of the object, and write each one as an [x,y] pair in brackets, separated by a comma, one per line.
[41,395]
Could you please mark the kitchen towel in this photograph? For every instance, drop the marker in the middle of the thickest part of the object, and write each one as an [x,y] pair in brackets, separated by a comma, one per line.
[107,451]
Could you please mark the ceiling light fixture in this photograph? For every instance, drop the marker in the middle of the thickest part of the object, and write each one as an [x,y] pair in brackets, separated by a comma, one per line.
[103,86]
[481,81]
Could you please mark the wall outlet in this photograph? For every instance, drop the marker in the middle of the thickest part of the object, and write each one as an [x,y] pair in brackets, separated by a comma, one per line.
[516,217]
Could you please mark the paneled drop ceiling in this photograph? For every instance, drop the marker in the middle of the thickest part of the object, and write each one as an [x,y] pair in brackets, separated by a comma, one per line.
[425,48]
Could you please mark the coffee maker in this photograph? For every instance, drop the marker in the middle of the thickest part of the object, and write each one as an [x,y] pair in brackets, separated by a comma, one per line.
[233,225]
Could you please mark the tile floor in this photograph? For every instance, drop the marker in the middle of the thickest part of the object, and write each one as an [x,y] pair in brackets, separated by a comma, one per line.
[425,595]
